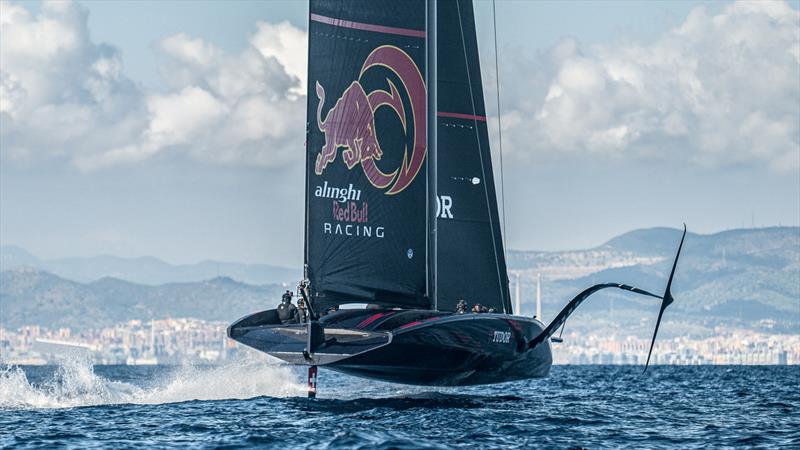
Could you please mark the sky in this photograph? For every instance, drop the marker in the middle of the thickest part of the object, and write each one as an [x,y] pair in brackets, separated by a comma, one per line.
[176,129]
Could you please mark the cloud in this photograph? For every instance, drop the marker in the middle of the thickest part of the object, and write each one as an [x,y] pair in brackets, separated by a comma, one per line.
[717,90]
[720,89]
[239,109]
[288,45]
[63,96]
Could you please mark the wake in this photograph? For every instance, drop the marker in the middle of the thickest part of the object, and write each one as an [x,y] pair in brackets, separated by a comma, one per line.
[75,384]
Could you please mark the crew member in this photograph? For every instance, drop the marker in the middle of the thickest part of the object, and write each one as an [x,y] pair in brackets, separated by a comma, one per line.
[478,308]
[287,312]
[461,306]
[302,313]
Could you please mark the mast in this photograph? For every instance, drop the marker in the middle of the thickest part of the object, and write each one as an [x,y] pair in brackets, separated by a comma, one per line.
[306,178]
[432,198]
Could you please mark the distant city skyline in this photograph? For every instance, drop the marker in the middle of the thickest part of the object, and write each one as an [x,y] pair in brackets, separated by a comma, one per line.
[176,130]
[173,341]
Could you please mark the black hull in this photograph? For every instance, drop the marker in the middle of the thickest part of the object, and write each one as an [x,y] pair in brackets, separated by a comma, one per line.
[410,346]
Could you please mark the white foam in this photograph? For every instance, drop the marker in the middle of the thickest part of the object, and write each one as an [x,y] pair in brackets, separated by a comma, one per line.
[76,384]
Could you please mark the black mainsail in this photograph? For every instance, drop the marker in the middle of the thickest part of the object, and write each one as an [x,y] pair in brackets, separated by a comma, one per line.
[366,189]
[367,193]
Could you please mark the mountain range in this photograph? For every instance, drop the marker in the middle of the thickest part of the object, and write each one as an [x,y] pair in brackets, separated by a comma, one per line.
[35,297]
[737,277]
[143,270]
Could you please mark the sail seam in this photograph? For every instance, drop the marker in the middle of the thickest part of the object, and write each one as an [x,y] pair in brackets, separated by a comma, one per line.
[359,40]
[456,125]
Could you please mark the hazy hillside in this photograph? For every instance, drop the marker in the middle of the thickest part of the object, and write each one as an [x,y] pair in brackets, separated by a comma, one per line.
[758,268]
[736,277]
[144,270]
[30,296]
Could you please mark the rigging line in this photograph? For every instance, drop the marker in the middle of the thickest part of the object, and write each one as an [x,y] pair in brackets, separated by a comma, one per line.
[499,129]
[480,156]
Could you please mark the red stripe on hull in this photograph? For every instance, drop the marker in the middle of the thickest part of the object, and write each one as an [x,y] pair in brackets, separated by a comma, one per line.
[408,325]
[371,319]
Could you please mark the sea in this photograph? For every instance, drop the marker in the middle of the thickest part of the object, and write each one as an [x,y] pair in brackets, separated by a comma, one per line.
[257,402]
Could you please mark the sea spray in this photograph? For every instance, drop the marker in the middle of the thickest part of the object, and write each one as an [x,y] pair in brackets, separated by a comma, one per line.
[75,384]
[248,377]
[16,391]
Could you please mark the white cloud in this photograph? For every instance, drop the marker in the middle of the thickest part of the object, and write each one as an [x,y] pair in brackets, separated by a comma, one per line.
[61,95]
[177,118]
[229,109]
[288,45]
[717,90]
[64,96]
[192,52]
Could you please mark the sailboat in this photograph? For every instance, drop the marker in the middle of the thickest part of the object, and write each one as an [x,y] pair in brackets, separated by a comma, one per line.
[401,213]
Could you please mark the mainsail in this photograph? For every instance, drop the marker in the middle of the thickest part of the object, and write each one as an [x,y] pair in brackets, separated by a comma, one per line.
[366,222]
[368,193]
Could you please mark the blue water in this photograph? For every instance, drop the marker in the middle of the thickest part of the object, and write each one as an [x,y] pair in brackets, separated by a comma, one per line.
[254,403]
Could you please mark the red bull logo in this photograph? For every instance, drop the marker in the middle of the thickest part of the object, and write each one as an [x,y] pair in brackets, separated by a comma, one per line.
[350,124]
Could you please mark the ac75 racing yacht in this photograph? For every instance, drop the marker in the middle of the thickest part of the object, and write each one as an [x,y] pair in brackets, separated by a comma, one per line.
[401,210]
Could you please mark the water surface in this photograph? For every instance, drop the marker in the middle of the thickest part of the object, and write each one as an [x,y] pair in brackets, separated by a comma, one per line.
[254,402]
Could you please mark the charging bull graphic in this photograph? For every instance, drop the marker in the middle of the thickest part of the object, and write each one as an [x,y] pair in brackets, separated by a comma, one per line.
[350,124]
